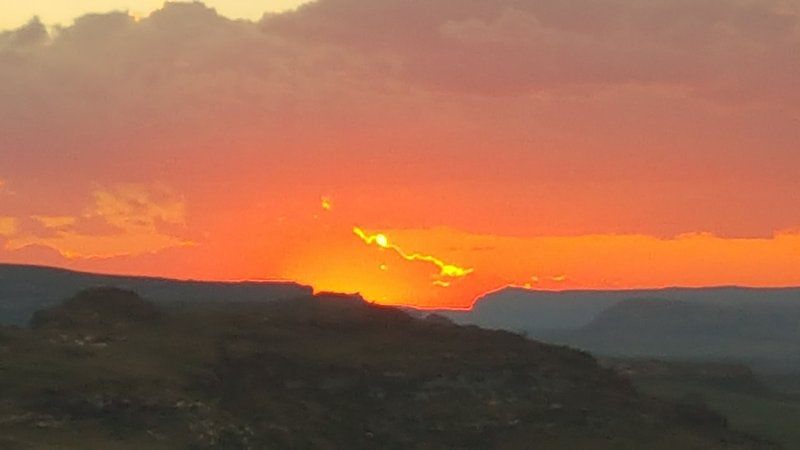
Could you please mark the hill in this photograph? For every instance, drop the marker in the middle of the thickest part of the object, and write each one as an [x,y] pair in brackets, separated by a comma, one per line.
[758,327]
[108,370]
[762,335]
[766,406]
[535,312]
[26,289]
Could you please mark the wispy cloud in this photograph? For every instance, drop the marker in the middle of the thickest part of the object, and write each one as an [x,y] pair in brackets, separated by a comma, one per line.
[8,226]
[447,271]
[126,219]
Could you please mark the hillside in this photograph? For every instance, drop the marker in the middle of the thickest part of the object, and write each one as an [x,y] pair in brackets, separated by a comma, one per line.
[26,289]
[764,406]
[763,335]
[108,370]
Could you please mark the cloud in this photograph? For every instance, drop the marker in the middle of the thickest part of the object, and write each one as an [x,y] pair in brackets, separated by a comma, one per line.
[531,45]
[508,117]
[124,220]
[8,226]
[32,33]
[185,64]
[55,222]
[136,207]
[447,272]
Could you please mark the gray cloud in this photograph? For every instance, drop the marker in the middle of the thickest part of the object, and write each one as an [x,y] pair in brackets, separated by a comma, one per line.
[528,45]
[583,98]
[32,33]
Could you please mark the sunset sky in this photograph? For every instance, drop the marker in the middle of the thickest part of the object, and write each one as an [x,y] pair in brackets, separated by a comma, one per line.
[420,153]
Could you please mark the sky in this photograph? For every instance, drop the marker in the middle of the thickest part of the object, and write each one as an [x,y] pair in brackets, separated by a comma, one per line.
[417,153]
[64,12]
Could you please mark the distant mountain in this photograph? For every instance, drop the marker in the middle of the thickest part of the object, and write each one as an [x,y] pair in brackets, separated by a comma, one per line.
[760,327]
[536,311]
[765,334]
[517,309]
[109,370]
[25,289]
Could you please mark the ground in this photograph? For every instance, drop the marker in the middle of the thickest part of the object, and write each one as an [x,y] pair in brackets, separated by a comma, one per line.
[319,372]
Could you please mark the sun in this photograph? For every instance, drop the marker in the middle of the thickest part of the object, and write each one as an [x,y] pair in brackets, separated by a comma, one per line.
[382,240]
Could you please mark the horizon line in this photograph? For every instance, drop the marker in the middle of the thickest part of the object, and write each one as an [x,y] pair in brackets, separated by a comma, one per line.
[315,291]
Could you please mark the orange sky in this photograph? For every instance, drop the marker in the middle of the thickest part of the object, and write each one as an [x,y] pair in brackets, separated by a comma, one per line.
[530,143]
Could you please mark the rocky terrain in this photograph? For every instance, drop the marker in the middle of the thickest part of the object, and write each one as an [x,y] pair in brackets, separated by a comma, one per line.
[108,370]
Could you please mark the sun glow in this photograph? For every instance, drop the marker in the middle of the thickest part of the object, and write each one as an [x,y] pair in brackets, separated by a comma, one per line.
[447,272]
[326,203]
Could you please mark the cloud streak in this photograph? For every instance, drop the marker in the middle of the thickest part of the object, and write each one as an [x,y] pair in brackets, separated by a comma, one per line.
[447,272]
[8,226]
[125,220]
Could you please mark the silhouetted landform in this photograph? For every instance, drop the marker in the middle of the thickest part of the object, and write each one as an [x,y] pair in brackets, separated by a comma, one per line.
[108,370]
[764,335]
[534,311]
[105,308]
[760,327]
[26,289]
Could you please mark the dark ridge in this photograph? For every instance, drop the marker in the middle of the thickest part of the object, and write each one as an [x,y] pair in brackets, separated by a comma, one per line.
[104,306]
[26,289]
